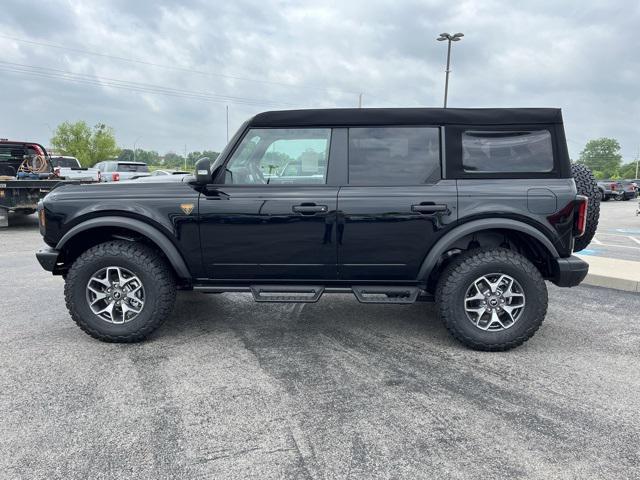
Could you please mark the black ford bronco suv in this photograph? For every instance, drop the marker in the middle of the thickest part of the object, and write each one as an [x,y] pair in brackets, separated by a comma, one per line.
[472,208]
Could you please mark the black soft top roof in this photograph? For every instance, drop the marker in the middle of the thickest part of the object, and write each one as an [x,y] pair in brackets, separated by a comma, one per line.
[407,116]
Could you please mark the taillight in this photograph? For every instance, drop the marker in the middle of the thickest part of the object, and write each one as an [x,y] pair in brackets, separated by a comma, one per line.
[613,186]
[115,177]
[581,215]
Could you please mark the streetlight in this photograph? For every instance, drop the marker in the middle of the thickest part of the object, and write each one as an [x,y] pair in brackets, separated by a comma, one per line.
[451,38]
[134,148]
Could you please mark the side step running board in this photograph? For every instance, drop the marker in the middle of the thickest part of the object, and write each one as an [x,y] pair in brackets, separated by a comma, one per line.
[312,293]
[385,294]
[287,293]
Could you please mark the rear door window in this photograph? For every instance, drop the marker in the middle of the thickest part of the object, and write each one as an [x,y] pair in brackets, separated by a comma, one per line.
[394,155]
[507,151]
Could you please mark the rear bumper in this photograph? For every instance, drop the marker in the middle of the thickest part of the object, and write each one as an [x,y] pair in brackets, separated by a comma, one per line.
[570,271]
[48,258]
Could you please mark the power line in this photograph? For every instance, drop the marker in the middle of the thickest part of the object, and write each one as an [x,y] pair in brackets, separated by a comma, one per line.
[46,72]
[173,67]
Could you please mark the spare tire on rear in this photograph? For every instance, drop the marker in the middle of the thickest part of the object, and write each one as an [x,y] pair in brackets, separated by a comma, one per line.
[587,186]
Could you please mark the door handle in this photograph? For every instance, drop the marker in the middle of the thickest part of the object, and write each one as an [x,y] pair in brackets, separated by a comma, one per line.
[310,209]
[430,208]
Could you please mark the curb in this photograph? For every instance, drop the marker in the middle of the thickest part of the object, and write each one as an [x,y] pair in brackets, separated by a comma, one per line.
[615,283]
[612,273]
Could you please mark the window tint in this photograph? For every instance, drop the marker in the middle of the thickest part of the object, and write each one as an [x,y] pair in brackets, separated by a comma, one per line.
[65,162]
[394,155]
[507,151]
[280,156]
[131,167]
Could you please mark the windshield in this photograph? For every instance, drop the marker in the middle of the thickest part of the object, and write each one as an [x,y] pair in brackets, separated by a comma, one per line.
[68,162]
[132,167]
[228,147]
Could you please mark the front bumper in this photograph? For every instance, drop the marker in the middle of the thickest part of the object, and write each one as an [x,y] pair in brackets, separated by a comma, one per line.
[48,258]
[570,271]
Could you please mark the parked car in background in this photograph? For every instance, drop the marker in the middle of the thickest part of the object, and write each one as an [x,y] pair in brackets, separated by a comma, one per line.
[115,171]
[156,173]
[69,168]
[616,189]
[628,189]
[178,177]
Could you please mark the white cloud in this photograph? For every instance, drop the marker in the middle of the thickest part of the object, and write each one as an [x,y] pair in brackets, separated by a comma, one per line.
[581,56]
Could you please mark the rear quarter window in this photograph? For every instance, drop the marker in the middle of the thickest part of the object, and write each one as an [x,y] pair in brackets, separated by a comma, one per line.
[507,151]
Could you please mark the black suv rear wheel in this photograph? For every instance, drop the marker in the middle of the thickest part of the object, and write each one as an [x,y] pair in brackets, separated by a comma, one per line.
[492,299]
[120,291]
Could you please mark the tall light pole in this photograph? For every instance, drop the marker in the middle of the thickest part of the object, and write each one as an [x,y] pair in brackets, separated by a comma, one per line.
[450,38]
[134,148]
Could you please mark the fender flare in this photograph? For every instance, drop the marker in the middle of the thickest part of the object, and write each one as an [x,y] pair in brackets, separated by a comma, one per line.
[474,226]
[152,233]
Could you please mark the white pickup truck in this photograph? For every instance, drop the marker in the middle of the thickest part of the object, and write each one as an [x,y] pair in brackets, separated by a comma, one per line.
[69,168]
[119,171]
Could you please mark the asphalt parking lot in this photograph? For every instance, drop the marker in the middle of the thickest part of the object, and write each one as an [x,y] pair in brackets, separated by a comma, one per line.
[231,389]
[618,234]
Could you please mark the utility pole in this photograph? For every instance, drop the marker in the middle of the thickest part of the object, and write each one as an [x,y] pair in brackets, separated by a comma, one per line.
[134,148]
[360,101]
[637,161]
[451,38]
[227,108]
[185,157]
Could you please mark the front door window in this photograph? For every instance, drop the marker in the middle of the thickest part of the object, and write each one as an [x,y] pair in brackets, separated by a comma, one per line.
[280,156]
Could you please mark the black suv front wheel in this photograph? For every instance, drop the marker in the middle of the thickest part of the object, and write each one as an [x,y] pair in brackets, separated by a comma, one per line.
[492,299]
[120,291]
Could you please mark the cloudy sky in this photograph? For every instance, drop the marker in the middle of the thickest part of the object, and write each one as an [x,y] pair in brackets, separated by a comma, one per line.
[161,73]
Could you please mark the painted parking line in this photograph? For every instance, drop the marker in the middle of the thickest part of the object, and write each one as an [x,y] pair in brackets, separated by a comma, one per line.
[613,245]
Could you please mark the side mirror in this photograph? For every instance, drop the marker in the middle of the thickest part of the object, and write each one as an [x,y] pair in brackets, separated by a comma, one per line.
[203,171]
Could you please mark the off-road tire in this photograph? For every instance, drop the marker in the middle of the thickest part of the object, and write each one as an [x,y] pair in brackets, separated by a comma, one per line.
[587,186]
[460,274]
[152,269]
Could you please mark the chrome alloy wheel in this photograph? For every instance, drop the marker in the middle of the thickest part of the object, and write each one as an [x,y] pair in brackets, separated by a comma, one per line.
[115,294]
[494,302]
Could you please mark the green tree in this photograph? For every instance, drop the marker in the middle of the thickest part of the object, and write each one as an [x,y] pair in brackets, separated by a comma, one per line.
[628,171]
[173,160]
[193,157]
[88,145]
[150,157]
[126,155]
[602,156]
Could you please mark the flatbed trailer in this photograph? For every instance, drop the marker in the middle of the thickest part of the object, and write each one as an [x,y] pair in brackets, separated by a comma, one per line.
[22,196]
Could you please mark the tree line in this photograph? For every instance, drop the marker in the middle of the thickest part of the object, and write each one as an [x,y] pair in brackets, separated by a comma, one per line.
[91,145]
[603,157]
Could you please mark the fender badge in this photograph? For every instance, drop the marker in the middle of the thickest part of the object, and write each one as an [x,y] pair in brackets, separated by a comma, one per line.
[187,208]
